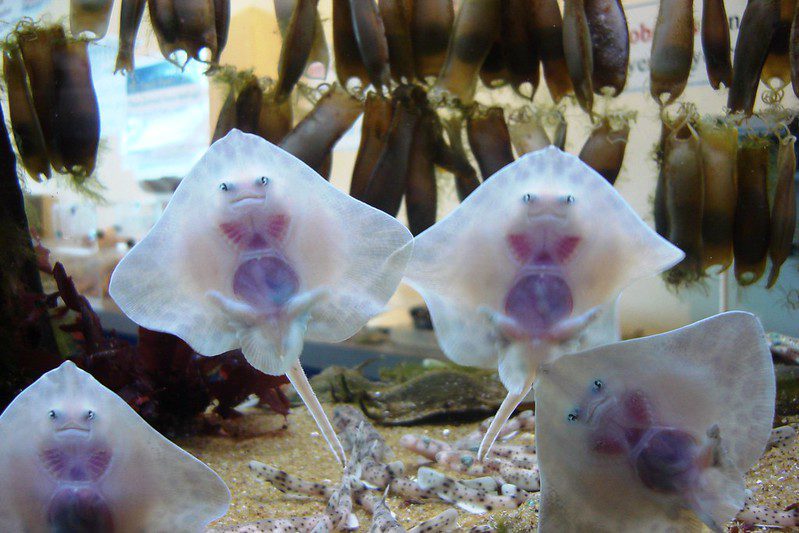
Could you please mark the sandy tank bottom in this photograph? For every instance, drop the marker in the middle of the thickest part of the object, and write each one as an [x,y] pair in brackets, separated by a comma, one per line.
[301,451]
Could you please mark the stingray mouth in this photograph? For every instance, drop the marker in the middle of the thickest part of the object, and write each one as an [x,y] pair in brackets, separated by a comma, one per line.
[247,198]
[596,407]
[72,428]
[540,215]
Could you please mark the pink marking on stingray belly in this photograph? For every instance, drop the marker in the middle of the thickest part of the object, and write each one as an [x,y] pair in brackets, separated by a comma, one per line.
[255,230]
[542,247]
[665,459]
[617,424]
[267,281]
[76,463]
[539,299]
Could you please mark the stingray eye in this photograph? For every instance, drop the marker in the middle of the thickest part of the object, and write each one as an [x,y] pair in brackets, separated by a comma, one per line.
[574,415]
[568,199]
[528,198]
[52,415]
[90,415]
[263,180]
[223,187]
[597,385]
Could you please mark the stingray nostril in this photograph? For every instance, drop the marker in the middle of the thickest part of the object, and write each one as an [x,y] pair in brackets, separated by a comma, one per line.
[528,198]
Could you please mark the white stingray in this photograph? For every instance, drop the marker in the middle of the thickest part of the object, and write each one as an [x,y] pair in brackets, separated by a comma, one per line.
[257,251]
[713,380]
[77,457]
[546,216]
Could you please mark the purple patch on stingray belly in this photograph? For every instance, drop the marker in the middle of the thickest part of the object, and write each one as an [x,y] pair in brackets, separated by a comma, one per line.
[79,510]
[665,460]
[266,282]
[538,301]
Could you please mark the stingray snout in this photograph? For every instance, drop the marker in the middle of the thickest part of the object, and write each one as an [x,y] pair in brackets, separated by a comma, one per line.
[539,206]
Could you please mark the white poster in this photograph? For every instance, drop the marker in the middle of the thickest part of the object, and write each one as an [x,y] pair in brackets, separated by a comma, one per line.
[12,11]
[167,125]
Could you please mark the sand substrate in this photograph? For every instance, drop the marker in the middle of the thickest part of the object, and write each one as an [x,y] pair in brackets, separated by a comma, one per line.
[299,450]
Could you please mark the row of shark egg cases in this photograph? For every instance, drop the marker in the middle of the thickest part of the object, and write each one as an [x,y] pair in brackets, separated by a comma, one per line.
[546,243]
[725,194]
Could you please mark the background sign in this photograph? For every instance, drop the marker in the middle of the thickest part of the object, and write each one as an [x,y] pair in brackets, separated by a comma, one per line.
[167,123]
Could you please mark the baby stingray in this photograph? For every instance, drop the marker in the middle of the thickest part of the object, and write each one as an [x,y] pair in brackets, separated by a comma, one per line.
[521,270]
[257,251]
[651,434]
[76,457]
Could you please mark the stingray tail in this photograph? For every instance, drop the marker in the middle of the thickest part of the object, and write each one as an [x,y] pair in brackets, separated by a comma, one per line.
[509,404]
[517,369]
[721,489]
[300,381]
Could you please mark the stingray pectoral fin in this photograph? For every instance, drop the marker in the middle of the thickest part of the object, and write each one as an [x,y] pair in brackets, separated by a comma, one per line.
[237,310]
[720,491]
[507,328]
[567,329]
[300,381]
[304,302]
